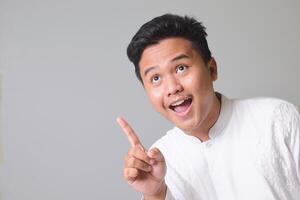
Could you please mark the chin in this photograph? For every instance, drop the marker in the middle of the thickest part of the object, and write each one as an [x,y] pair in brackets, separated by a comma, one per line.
[186,125]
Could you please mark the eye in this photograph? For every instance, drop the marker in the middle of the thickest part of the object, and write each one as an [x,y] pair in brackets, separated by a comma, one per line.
[181,68]
[155,79]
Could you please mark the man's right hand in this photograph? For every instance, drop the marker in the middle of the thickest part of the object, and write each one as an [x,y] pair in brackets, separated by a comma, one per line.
[144,170]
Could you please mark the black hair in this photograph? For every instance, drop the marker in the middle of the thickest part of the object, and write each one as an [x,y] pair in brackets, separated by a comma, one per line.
[167,26]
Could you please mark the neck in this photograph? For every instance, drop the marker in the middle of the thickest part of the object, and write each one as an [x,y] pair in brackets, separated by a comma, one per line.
[211,119]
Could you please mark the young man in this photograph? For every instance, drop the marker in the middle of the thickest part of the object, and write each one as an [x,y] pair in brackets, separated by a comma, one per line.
[219,148]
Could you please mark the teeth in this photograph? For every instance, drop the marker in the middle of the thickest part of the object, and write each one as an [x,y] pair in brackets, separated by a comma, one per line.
[178,102]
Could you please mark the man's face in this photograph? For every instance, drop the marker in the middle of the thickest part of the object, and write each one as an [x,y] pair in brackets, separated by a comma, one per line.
[179,83]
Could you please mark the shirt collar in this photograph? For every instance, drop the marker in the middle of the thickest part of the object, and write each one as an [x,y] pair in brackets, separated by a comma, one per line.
[223,119]
[220,124]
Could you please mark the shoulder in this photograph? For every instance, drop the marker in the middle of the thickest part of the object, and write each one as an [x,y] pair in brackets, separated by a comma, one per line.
[265,106]
[280,117]
[267,103]
[286,117]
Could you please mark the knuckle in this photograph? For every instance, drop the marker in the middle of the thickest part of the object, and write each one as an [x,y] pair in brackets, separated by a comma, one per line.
[130,173]
[131,161]
[125,157]
[127,128]
[138,153]
[131,151]
[134,172]
[125,125]
[125,173]
[135,148]
[146,158]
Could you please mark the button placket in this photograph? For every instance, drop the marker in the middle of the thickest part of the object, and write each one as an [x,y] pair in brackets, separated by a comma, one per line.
[208,144]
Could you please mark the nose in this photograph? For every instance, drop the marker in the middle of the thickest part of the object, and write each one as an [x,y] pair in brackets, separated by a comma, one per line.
[173,86]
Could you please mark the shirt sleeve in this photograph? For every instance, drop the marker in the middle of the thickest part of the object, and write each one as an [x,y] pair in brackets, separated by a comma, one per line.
[295,140]
[288,115]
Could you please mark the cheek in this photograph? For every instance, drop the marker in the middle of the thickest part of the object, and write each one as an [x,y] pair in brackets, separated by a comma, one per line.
[156,98]
[198,83]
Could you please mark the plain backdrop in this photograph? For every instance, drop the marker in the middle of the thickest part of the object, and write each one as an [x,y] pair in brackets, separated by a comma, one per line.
[66,77]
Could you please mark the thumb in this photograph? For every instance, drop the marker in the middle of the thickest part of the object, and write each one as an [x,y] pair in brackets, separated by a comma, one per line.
[156,154]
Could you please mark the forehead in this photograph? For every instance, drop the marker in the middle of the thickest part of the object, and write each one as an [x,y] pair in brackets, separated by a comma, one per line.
[164,51]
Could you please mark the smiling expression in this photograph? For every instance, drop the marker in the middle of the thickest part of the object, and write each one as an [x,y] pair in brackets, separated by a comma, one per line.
[179,84]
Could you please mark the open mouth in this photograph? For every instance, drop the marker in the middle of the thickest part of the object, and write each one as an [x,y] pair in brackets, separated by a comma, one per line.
[181,107]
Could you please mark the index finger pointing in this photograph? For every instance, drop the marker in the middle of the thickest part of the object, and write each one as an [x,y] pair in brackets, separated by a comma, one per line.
[132,137]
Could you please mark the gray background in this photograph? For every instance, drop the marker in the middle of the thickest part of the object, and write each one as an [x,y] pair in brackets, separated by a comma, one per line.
[66,77]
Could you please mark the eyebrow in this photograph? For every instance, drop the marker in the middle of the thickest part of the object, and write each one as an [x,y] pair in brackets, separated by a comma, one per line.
[148,70]
[181,56]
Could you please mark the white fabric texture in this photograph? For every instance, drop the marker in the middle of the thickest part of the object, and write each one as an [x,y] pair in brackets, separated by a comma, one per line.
[252,153]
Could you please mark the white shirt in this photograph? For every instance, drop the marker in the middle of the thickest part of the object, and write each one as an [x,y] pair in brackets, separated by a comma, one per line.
[252,154]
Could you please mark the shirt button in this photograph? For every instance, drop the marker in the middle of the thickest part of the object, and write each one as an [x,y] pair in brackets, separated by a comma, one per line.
[208,144]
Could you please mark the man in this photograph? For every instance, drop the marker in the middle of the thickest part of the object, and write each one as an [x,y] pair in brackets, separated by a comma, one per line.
[219,148]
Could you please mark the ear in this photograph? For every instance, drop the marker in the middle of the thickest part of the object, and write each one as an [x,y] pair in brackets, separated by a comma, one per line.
[213,69]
